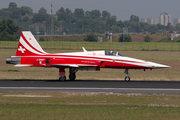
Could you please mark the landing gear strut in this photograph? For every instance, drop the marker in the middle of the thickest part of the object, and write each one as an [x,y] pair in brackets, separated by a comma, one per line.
[72,73]
[62,76]
[127,78]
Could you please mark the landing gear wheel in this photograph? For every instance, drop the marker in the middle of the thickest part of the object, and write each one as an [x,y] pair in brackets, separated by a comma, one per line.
[72,76]
[127,79]
[62,78]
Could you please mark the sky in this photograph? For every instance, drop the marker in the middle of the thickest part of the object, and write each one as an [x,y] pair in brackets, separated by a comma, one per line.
[122,9]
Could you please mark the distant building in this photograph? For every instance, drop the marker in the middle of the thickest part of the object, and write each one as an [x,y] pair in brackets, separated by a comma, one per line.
[150,20]
[144,20]
[164,19]
[176,21]
[156,21]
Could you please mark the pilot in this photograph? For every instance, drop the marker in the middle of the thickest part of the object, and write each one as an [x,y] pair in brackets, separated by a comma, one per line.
[111,53]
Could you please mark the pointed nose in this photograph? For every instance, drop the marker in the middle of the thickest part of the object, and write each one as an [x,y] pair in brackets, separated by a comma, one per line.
[156,65]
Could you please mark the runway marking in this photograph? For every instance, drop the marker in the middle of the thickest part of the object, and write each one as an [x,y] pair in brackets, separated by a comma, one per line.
[76,88]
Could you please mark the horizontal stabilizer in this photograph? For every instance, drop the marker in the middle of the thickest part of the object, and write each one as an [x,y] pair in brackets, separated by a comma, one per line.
[19,65]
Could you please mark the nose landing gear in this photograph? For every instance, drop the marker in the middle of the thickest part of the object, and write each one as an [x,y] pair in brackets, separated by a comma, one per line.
[127,78]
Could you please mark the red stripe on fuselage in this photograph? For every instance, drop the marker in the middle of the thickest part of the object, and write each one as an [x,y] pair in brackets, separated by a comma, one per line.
[84,60]
[89,57]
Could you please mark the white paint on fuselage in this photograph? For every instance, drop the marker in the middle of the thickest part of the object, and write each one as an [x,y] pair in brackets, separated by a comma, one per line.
[100,55]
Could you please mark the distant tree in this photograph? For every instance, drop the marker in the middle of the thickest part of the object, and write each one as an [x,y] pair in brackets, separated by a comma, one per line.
[87,14]
[68,11]
[41,39]
[8,30]
[61,16]
[178,27]
[79,12]
[26,10]
[111,21]
[42,11]
[61,10]
[25,19]
[134,18]
[160,27]
[120,23]
[78,21]
[90,38]
[125,38]
[95,14]
[40,16]
[105,14]
[13,11]
[12,5]
[147,38]
[169,27]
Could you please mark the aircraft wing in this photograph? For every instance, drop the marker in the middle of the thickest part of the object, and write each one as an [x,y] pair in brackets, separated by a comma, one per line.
[64,65]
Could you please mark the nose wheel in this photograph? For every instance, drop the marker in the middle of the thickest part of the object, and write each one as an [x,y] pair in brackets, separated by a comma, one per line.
[127,78]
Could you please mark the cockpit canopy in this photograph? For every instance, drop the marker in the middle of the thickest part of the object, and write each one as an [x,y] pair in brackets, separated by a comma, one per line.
[113,53]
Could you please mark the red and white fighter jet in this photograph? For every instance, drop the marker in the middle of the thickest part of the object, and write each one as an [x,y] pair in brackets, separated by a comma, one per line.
[30,53]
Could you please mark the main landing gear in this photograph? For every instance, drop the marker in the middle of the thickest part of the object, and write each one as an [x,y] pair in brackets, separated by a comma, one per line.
[127,78]
[62,76]
[72,74]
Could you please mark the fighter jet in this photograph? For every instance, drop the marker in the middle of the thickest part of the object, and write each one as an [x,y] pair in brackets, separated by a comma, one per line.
[30,53]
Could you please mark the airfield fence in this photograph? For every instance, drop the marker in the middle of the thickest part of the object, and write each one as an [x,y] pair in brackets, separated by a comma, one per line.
[116,46]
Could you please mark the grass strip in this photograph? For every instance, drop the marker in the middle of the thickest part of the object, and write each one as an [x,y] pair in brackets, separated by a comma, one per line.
[89,106]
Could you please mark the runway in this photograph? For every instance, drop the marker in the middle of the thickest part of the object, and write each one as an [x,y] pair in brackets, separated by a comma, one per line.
[113,86]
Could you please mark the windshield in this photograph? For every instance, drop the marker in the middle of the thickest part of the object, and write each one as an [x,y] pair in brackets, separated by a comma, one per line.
[119,54]
[113,53]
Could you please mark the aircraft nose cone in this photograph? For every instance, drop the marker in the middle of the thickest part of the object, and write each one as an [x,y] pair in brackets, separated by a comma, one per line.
[155,65]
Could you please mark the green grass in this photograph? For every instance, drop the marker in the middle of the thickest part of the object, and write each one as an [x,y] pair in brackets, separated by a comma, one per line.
[90,106]
[132,46]
[10,70]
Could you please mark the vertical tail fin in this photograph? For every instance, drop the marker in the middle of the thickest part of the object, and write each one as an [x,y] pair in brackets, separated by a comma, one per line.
[28,45]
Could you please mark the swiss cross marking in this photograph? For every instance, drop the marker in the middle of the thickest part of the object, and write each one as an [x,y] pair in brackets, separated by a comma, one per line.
[21,49]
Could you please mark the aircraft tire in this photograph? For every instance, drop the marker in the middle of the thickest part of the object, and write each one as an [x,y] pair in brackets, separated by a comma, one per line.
[72,77]
[62,78]
[127,79]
